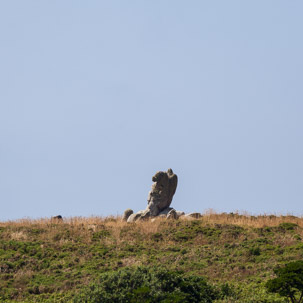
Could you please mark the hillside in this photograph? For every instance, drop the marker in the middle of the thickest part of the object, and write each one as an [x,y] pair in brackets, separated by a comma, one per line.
[44,261]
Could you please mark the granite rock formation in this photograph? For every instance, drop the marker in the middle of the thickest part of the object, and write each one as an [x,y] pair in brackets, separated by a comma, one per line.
[159,198]
[162,191]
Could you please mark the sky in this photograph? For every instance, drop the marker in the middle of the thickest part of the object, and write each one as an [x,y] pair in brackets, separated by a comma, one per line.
[97,96]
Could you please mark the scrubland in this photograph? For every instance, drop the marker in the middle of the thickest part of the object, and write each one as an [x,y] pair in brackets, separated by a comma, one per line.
[46,261]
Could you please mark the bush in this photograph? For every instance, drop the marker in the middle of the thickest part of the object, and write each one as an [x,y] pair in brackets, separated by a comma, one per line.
[289,282]
[287,226]
[254,251]
[149,285]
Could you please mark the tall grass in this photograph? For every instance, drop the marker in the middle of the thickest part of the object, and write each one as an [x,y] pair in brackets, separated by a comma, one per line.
[83,227]
[209,217]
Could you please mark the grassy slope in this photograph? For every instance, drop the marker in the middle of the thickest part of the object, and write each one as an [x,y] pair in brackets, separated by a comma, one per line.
[41,260]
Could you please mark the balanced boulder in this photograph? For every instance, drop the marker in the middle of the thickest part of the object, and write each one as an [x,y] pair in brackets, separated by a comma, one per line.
[159,200]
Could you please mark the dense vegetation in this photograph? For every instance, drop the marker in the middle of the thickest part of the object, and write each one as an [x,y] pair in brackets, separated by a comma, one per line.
[149,285]
[289,281]
[220,257]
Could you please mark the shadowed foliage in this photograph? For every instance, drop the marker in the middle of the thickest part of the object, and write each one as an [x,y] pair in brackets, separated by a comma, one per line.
[152,285]
[289,282]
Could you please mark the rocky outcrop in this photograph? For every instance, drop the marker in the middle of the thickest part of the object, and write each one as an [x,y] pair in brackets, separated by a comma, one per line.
[159,200]
[172,214]
[162,192]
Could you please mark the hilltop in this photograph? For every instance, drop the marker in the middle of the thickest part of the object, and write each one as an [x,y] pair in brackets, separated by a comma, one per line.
[46,261]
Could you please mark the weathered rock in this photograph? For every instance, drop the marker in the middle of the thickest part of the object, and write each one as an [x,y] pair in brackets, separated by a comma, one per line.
[175,214]
[159,198]
[134,217]
[162,192]
[180,213]
[145,215]
[165,211]
[127,213]
[172,214]
[194,215]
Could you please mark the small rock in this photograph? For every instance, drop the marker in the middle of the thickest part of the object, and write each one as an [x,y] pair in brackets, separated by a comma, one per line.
[145,215]
[194,215]
[133,217]
[172,214]
[180,213]
[127,213]
[57,218]
[165,211]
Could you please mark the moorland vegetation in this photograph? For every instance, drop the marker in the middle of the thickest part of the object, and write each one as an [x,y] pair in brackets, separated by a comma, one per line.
[217,258]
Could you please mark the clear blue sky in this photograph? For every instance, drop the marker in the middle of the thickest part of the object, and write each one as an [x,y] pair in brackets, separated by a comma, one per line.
[96,96]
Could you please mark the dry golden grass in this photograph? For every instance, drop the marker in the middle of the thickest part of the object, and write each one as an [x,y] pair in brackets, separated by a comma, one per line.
[84,227]
[246,220]
[209,217]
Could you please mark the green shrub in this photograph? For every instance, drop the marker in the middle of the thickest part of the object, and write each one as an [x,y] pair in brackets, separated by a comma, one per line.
[254,251]
[287,226]
[157,237]
[149,285]
[289,282]
[100,234]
